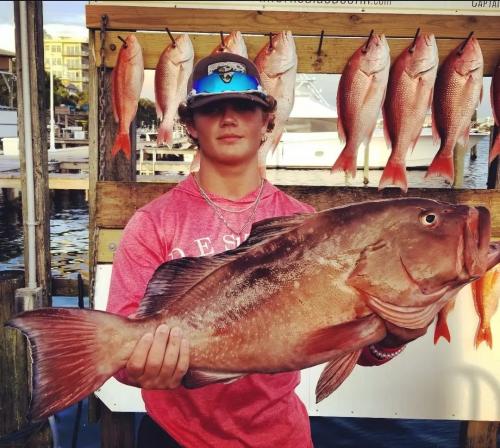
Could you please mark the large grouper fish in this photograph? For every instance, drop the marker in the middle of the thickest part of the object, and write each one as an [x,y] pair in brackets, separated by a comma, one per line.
[302,290]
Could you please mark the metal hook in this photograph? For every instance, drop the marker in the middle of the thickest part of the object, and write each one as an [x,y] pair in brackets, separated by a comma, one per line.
[104,20]
[124,42]
[271,41]
[320,43]
[462,48]
[414,43]
[222,45]
[365,49]
[171,37]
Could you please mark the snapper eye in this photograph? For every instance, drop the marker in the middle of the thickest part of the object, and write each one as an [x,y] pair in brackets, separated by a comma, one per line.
[428,219]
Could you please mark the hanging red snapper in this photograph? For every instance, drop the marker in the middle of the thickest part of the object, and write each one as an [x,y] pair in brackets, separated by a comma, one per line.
[409,97]
[486,292]
[360,96]
[301,291]
[171,77]
[277,65]
[127,80]
[457,93]
[495,106]
[233,43]
[442,329]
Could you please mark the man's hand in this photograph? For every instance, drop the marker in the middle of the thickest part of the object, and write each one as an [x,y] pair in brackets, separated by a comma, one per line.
[159,360]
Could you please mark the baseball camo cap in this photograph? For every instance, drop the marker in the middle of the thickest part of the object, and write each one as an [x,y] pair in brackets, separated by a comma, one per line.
[224,76]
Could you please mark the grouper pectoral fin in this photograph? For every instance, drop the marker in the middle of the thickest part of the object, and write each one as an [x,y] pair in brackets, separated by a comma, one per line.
[200,378]
[335,373]
[329,342]
[342,344]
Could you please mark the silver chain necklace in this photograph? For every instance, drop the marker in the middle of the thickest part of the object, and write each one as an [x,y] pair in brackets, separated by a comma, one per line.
[218,209]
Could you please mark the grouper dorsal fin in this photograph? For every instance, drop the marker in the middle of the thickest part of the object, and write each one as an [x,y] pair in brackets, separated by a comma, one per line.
[273,227]
[173,279]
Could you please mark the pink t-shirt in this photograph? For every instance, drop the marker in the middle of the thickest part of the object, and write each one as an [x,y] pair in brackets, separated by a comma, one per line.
[259,410]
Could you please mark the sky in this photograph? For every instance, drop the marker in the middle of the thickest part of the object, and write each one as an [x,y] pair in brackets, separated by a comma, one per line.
[67,18]
[60,19]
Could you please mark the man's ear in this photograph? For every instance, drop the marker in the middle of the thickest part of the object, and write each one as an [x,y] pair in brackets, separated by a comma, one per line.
[266,118]
[191,130]
[269,120]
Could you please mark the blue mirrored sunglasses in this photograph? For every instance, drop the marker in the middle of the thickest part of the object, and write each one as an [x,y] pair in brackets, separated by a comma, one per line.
[213,84]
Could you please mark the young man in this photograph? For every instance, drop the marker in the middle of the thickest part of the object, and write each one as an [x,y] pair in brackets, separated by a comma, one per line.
[228,114]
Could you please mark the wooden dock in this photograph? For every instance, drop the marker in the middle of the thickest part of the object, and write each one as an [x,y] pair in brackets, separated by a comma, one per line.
[68,168]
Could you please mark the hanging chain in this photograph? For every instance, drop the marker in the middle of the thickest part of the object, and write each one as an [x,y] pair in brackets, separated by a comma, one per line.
[102,98]
[100,151]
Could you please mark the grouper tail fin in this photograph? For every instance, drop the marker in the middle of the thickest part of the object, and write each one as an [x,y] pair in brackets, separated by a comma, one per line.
[73,351]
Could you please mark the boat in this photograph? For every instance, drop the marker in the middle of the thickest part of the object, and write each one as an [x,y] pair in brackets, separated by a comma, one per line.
[311,140]
[320,150]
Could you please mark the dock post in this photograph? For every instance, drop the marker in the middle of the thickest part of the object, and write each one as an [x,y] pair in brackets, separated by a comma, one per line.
[28,18]
[14,393]
[478,434]
[15,369]
[459,164]
[11,195]
[493,169]
[117,429]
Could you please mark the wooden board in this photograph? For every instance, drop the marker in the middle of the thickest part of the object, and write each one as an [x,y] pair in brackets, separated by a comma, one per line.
[300,23]
[117,201]
[335,51]
[480,435]
[107,244]
[57,181]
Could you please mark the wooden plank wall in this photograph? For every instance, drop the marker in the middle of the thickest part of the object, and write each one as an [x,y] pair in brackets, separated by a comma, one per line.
[335,50]
[301,23]
[118,201]
[343,33]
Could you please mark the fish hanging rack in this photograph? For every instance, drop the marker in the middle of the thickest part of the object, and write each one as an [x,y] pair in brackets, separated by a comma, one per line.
[324,42]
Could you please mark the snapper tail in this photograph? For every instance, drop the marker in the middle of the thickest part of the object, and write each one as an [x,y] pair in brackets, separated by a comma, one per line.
[73,352]
[483,334]
[346,161]
[394,174]
[442,165]
[495,149]
[441,329]
[122,143]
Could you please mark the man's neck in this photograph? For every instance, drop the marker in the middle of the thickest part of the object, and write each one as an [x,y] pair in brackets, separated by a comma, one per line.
[229,182]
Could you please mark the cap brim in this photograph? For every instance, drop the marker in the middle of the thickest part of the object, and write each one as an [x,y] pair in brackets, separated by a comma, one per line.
[203,100]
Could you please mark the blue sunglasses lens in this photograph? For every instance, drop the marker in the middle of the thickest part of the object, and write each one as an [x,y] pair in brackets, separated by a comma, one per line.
[239,82]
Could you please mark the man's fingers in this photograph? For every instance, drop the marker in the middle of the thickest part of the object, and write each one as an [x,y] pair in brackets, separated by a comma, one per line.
[156,353]
[182,363]
[159,361]
[136,363]
[171,355]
